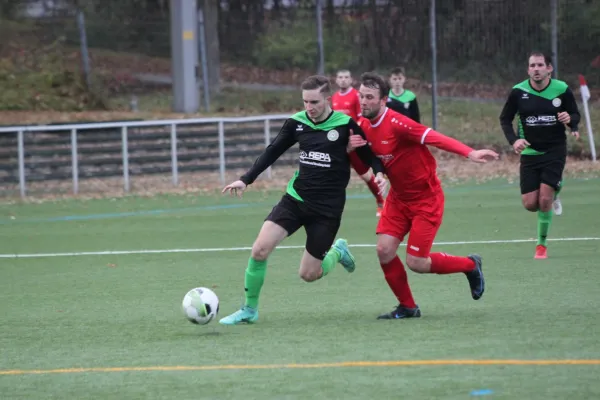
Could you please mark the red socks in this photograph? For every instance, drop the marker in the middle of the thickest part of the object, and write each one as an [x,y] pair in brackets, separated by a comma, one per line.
[375,190]
[396,277]
[442,263]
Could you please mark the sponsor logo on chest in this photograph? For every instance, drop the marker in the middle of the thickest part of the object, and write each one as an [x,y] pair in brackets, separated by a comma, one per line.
[315,158]
[540,120]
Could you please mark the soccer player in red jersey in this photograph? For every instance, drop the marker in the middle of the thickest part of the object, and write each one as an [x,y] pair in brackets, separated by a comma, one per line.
[415,202]
[346,100]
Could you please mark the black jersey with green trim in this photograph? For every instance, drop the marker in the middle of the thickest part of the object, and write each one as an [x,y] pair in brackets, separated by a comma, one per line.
[324,165]
[405,104]
[538,116]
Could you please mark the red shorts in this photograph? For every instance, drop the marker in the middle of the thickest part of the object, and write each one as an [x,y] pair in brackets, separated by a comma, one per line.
[359,166]
[420,218]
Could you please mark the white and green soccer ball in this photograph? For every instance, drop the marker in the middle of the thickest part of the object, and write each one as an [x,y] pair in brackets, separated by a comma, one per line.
[200,305]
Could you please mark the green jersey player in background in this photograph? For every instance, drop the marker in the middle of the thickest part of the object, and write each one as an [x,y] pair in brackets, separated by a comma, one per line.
[402,100]
[315,196]
[545,107]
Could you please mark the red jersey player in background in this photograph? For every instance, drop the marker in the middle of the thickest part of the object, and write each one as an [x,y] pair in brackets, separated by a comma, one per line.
[346,100]
[415,202]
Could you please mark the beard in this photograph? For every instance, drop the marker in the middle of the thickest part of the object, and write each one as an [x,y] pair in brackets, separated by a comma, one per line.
[370,113]
[539,78]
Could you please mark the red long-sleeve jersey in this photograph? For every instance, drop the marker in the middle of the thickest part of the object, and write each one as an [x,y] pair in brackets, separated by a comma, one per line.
[401,144]
[347,103]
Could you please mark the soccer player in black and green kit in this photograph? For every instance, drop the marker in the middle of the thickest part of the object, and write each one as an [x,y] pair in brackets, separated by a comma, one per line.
[315,196]
[400,99]
[545,106]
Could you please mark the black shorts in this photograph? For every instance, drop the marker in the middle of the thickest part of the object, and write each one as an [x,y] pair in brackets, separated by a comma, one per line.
[543,168]
[292,214]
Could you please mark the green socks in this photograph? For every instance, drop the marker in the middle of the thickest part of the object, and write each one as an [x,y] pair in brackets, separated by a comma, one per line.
[544,220]
[331,259]
[256,271]
[255,277]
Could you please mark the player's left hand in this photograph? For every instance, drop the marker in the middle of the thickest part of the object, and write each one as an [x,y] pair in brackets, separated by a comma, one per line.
[575,134]
[355,141]
[564,117]
[381,182]
[481,156]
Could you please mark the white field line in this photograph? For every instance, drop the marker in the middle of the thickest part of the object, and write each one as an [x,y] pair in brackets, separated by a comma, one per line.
[222,249]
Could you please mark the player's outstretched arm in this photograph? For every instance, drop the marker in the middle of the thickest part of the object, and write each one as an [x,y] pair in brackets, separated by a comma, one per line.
[457,147]
[283,141]
[507,116]
[422,134]
[452,145]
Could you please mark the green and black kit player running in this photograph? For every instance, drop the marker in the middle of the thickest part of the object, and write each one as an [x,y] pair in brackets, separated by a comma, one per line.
[400,99]
[315,197]
[545,107]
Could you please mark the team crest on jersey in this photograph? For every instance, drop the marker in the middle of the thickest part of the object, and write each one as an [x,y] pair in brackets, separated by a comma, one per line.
[556,102]
[406,105]
[333,135]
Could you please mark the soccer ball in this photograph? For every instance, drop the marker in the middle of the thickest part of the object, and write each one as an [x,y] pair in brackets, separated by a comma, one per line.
[200,305]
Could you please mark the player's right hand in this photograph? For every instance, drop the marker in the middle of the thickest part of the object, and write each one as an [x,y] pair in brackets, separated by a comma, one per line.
[520,145]
[355,141]
[236,188]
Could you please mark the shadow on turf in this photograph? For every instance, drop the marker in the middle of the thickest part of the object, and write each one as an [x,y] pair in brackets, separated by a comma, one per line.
[216,331]
[211,333]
